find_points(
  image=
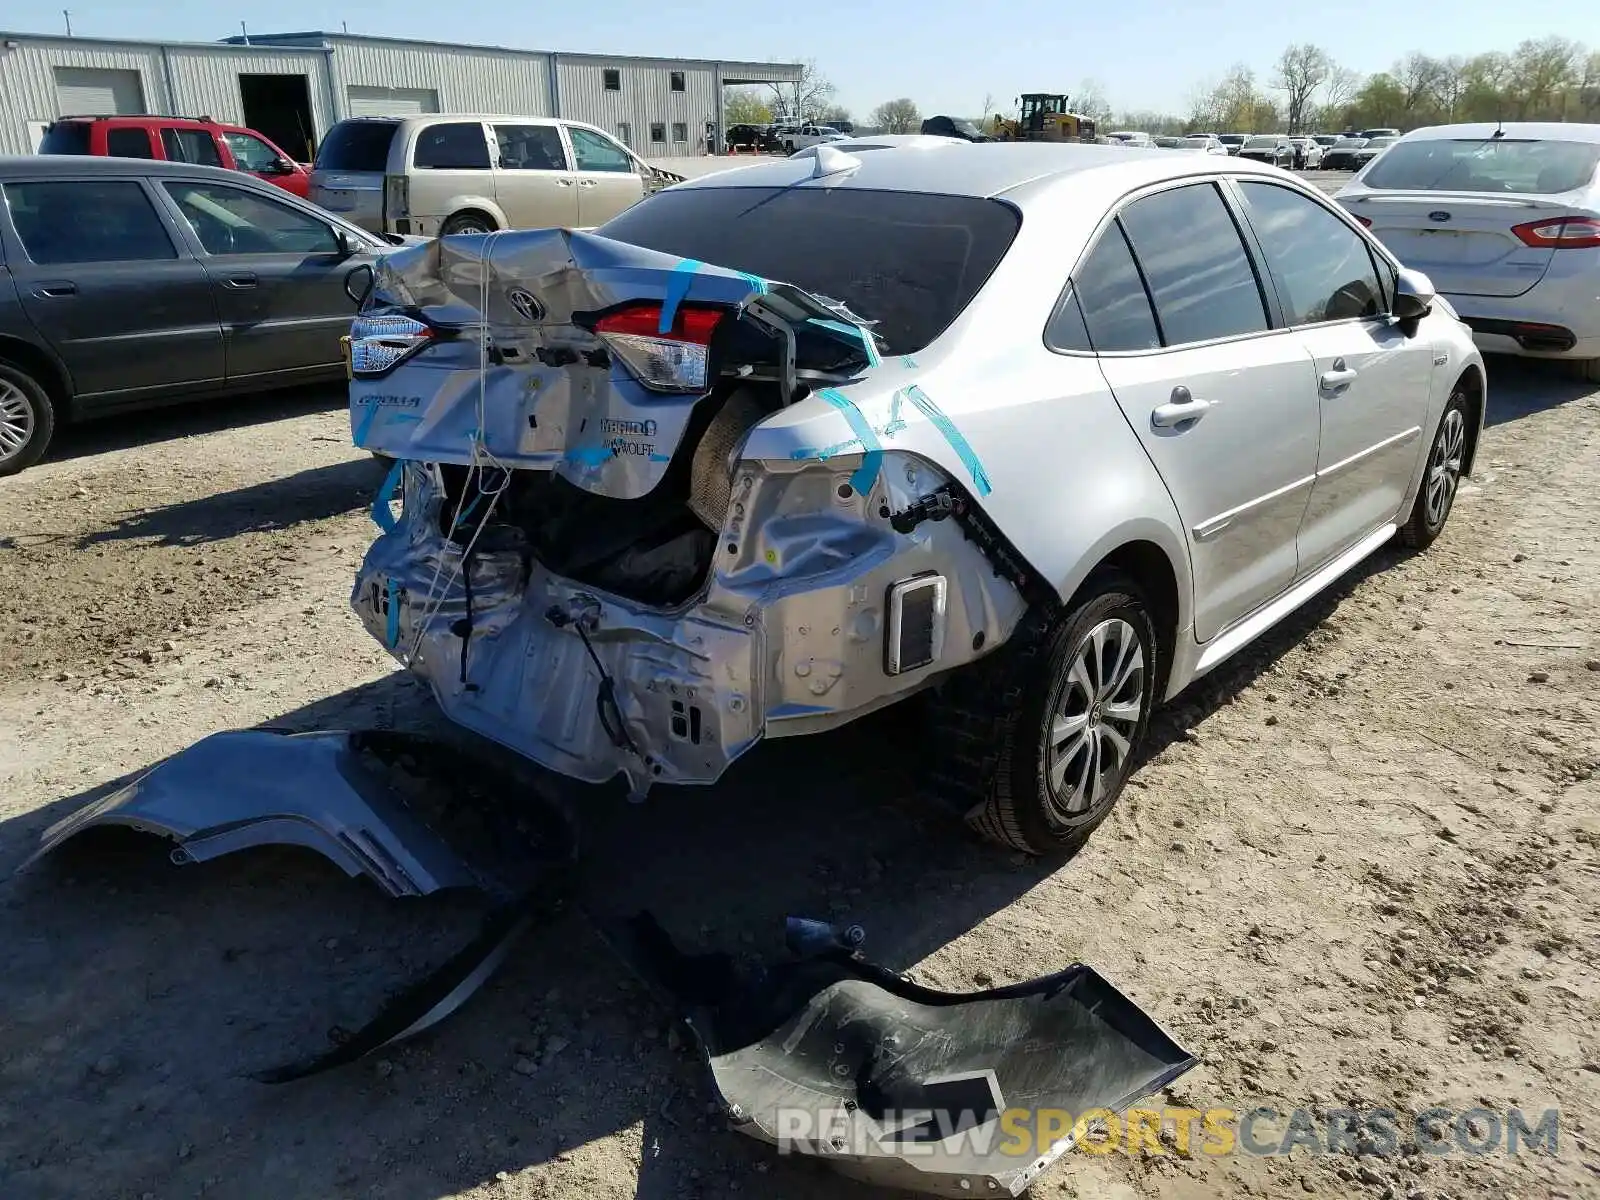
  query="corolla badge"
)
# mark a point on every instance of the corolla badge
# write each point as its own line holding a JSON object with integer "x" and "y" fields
{"x": 525, "y": 303}
{"x": 1439, "y": 215}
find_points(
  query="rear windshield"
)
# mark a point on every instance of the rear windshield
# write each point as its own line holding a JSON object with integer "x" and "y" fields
{"x": 65, "y": 137}
{"x": 1500, "y": 165}
{"x": 1257, "y": 143}
{"x": 1232, "y": 139}
{"x": 357, "y": 146}
{"x": 1350, "y": 143}
{"x": 906, "y": 260}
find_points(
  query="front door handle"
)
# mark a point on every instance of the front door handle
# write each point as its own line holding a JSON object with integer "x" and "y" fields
{"x": 240, "y": 282}
{"x": 564, "y": 182}
{"x": 1337, "y": 377}
{"x": 1182, "y": 409}
{"x": 56, "y": 288}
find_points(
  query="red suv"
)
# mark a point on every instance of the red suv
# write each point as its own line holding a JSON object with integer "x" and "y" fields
{"x": 178, "y": 139}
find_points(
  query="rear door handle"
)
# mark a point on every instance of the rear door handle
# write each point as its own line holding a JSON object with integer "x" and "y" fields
{"x": 56, "y": 288}
{"x": 1182, "y": 409}
{"x": 240, "y": 282}
{"x": 586, "y": 183}
{"x": 1338, "y": 378}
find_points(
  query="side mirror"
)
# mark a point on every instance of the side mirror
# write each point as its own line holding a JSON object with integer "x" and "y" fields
{"x": 358, "y": 284}
{"x": 347, "y": 245}
{"x": 1413, "y": 296}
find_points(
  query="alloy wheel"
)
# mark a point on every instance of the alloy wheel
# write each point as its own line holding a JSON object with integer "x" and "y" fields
{"x": 17, "y": 420}
{"x": 1444, "y": 466}
{"x": 1094, "y": 721}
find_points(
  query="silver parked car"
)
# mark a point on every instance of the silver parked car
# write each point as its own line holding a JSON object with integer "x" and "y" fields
{"x": 1506, "y": 220}
{"x": 1048, "y": 430}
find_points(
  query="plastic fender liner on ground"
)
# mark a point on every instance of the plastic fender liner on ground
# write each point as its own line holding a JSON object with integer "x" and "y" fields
{"x": 898, "y": 1084}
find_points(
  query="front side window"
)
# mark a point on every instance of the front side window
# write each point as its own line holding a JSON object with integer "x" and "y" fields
{"x": 230, "y": 220}
{"x": 251, "y": 153}
{"x": 530, "y": 148}
{"x": 452, "y": 146}
{"x": 129, "y": 143}
{"x": 1195, "y": 262}
{"x": 597, "y": 153}
{"x": 190, "y": 146}
{"x": 87, "y": 221}
{"x": 1116, "y": 308}
{"x": 1322, "y": 267}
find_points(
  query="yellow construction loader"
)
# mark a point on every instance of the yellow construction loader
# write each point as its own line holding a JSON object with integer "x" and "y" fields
{"x": 1043, "y": 118}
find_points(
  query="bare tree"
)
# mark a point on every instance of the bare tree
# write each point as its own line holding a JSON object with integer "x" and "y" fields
{"x": 835, "y": 115}
{"x": 897, "y": 116}
{"x": 1451, "y": 86}
{"x": 1340, "y": 88}
{"x": 1418, "y": 77}
{"x": 1543, "y": 71}
{"x": 805, "y": 99}
{"x": 1204, "y": 115}
{"x": 1302, "y": 70}
{"x": 1090, "y": 101}
{"x": 1236, "y": 99}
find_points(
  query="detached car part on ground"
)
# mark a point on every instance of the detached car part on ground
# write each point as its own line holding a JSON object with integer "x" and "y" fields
{"x": 659, "y": 504}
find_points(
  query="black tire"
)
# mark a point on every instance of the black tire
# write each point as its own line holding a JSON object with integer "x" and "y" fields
{"x": 466, "y": 222}
{"x": 27, "y": 410}
{"x": 992, "y": 724}
{"x": 1436, "y": 494}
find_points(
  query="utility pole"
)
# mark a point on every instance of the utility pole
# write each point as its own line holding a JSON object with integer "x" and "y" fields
{"x": 245, "y": 32}
{"x": 68, "y": 15}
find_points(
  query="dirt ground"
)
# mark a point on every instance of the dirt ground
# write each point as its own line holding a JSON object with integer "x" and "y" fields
{"x": 1359, "y": 868}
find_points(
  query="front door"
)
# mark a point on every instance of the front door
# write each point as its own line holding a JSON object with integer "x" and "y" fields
{"x": 608, "y": 181}
{"x": 1372, "y": 379}
{"x": 1222, "y": 404}
{"x": 103, "y": 279}
{"x": 278, "y": 273}
{"x": 533, "y": 182}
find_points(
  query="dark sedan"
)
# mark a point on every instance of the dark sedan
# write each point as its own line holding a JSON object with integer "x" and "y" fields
{"x": 1268, "y": 148}
{"x": 127, "y": 283}
{"x": 1341, "y": 156}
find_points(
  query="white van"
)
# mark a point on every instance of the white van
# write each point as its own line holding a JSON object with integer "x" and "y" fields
{"x": 456, "y": 173}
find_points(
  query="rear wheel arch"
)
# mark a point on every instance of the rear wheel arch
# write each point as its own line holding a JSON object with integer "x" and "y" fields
{"x": 42, "y": 365}
{"x": 488, "y": 218}
{"x": 1151, "y": 568}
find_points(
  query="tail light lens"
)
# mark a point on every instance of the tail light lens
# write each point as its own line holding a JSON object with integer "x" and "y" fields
{"x": 396, "y": 196}
{"x": 380, "y": 342}
{"x": 1367, "y": 221}
{"x": 1562, "y": 233}
{"x": 674, "y": 359}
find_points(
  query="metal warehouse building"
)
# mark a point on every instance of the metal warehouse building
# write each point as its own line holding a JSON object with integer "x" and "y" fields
{"x": 294, "y": 86}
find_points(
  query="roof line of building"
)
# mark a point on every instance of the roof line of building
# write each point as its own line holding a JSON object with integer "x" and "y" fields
{"x": 79, "y": 40}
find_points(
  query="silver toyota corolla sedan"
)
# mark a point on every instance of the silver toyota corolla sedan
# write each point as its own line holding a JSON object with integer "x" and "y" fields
{"x": 1046, "y": 430}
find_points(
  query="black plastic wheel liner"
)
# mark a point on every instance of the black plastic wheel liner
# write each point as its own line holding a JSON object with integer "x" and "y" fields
{"x": 896, "y": 1083}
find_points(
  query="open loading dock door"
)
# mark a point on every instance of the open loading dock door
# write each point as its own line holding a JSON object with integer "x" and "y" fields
{"x": 280, "y": 107}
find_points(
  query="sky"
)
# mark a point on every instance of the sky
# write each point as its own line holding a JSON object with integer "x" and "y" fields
{"x": 945, "y": 55}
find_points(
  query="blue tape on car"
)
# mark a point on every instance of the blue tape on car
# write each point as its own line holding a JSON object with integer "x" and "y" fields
{"x": 958, "y": 443}
{"x": 855, "y": 333}
{"x": 392, "y": 626}
{"x": 872, "y": 458}
{"x": 908, "y": 361}
{"x": 677, "y": 289}
{"x": 896, "y": 421}
{"x": 381, "y": 515}
{"x": 363, "y": 424}
{"x": 755, "y": 281}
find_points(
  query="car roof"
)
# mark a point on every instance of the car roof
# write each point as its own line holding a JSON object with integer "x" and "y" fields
{"x": 1556, "y": 131}
{"x": 48, "y": 165}
{"x": 978, "y": 169}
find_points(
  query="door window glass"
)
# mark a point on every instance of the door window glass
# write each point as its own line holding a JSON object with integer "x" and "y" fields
{"x": 530, "y": 148}
{"x": 129, "y": 143}
{"x": 1321, "y": 266}
{"x": 190, "y": 146}
{"x": 230, "y": 220}
{"x": 1112, "y": 297}
{"x": 251, "y": 153}
{"x": 453, "y": 146}
{"x": 1199, "y": 273}
{"x": 87, "y": 221}
{"x": 597, "y": 153}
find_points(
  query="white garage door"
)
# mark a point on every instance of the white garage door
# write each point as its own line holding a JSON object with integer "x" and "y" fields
{"x": 392, "y": 102}
{"x": 94, "y": 92}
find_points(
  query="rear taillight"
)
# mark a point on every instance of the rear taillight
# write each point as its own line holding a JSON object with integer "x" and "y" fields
{"x": 1367, "y": 221}
{"x": 671, "y": 359}
{"x": 396, "y": 196}
{"x": 1562, "y": 233}
{"x": 380, "y": 342}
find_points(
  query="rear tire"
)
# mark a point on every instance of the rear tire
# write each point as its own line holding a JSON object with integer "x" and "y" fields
{"x": 27, "y": 419}
{"x": 1441, "y": 476}
{"x": 1589, "y": 370}
{"x": 1034, "y": 744}
{"x": 466, "y": 222}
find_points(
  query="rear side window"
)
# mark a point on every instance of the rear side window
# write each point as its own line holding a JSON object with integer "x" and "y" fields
{"x": 87, "y": 221}
{"x": 1116, "y": 309}
{"x": 65, "y": 137}
{"x": 190, "y": 146}
{"x": 908, "y": 261}
{"x": 129, "y": 143}
{"x": 1192, "y": 257}
{"x": 1541, "y": 168}
{"x": 457, "y": 146}
{"x": 529, "y": 148}
{"x": 1322, "y": 267}
{"x": 357, "y": 146}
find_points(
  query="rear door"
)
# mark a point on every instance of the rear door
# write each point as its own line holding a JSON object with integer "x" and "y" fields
{"x": 608, "y": 181}
{"x": 1373, "y": 379}
{"x": 279, "y": 276}
{"x": 1224, "y": 404}
{"x": 196, "y": 146}
{"x": 348, "y": 176}
{"x": 107, "y": 283}
{"x": 130, "y": 141}
{"x": 534, "y": 183}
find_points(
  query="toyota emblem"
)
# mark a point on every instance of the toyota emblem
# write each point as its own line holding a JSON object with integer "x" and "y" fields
{"x": 1440, "y": 216}
{"x": 525, "y": 303}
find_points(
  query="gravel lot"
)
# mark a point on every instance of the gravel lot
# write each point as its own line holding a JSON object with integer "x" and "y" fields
{"x": 1358, "y": 869}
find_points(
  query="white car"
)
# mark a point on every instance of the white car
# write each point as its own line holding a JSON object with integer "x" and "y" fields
{"x": 1206, "y": 143}
{"x": 884, "y": 141}
{"x": 799, "y": 137}
{"x": 1308, "y": 153}
{"x": 1131, "y": 137}
{"x": 1505, "y": 219}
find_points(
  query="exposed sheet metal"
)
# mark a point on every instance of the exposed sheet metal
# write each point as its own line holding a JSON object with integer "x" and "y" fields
{"x": 898, "y": 1084}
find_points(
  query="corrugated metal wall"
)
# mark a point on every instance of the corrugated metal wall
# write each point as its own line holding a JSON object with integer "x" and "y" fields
{"x": 28, "y": 85}
{"x": 207, "y": 82}
{"x": 467, "y": 80}
{"x": 645, "y": 96}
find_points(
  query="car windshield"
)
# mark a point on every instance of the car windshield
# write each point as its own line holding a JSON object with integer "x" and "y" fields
{"x": 65, "y": 137}
{"x": 908, "y": 261}
{"x": 968, "y": 128}
{"x": 1542, "y": 168}
{"x": 357, "y": 146}
{"x": 1261, "y": 143}
{"x": 1197, "y": 141}
{"x": 1378, "y": 143}
{"x": 1231, "y": 139}
{"x": 1349, "y": 143}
